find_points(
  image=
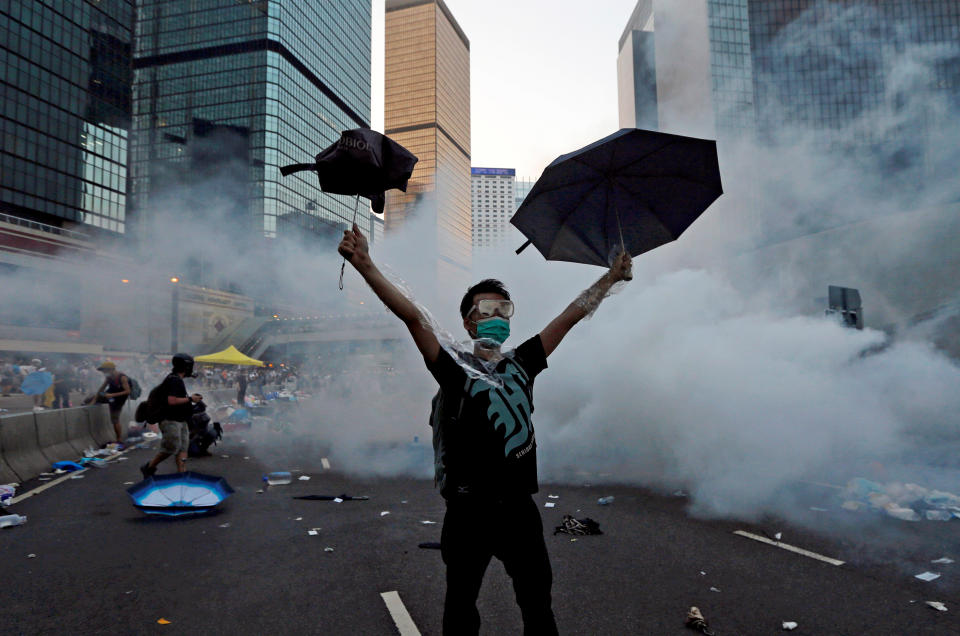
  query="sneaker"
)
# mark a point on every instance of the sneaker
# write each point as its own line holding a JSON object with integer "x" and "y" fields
{"x": 147, "y": 471}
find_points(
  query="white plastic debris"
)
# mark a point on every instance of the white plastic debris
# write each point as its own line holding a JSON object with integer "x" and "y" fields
{"x": 384, "y": 513}
{"x": 7, "y": 491}
{"x": 943, "y": 560}
{"x": 337, "y": 500}
{"x": 927, "y": 576}
{"x": 714, "y": 589}
{"x": 702, "y": 573}
{"x": 789, "y": 625}
{"x": 778, "y": 536}
{"x": 312, "y": 533}
{"x": 328, "y": 549}
{"x": 553, "y": 496}
{"x": 549, "y": 504}
{"x": 299, "y": 519}
{"x": 128, "y": 483}
{"x": 225, "y": 525}
{"x": 76, "y": 476}
{"x": 428, "y": 523}
{"x": 937, "y": 605}
{"x": 34, "y": 556}
{"x": 304, "y": 478}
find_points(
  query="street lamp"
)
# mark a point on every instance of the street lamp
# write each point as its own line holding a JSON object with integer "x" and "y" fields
{"x": 174, "y": 314}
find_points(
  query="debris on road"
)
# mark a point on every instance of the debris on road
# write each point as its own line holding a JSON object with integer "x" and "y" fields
{"x": 428, "y": 523}
{"x": 384, "y": 513}
{"x": 225, "y": 525}
{"x": 334, "y": 498}
{"x": 942, "y": 560}
{"x": 695, "y": 620}
{"x": 76, "y": 476}
{"x": 299, "y": 519}
{"x": 580, "y": 527}
{"x": 328, "y": 549}
{"x": 789, "y": 625}
{"x": 549, "y": 504}
{"x": 553, "y": 496}
{"x": 31, "y": 556}
{"x": 312, "y": 532}
{"x": 163, "y": 621}
{"x": 605, "y": 501}
{"x": 304, "y": 478}
{"x": 937, "y": 605}
{"x": 278, "y": 478}
{"x": 7, "y": 491}
{"x": 927, "y": 576}
{"x": 8, "y": 521}
{"x": 714, "y": 589}
{"x": 66, "y": 466}
{"x": 909, "y": 502}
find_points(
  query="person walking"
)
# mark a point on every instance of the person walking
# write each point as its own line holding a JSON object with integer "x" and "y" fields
{"x": 114, "y": 392}
{"x": 485, "y": 450}
{"x": 178, "y": 410}
{"x": 241, "y": 387}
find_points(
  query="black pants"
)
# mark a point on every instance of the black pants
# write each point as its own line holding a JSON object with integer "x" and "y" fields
{"x": 474, "y": 530}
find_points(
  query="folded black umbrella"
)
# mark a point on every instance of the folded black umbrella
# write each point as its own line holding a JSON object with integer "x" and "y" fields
{"x": 362, "y": 162}
{"x": 633, "y": 190}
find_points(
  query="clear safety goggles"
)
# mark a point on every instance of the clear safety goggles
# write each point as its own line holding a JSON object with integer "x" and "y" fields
{"x": 492, "y": 307}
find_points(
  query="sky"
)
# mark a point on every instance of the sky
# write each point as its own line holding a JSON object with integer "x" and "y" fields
{"x": 543, "y": 76}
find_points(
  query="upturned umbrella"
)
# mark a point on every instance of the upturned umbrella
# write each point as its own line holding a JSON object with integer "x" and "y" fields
{"x": 633, "y": 190}
{"x": 362, "y": 162}
{"x": 178, "y": 494}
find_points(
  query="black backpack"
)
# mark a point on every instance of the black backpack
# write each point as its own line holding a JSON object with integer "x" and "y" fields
{"x": 153, "y": 409}
{"x": 443, "y": 410}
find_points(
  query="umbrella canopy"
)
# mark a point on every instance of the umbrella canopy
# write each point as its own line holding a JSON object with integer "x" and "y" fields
{"x": 36, "y": 383}
{"x": 230, "y": 355}
{"x": 362, "y": 162}
{"x": 179, "y": 494}
{"x": 635, "y": 188}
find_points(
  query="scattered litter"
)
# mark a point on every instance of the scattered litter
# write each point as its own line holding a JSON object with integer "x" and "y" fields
{"x": 549, "y": 504}
{"x": 908, "y": 502}
{"x": 384, "y": 513}
{"x": 337, "y": 500}
{"x": 66, "y": 466}
{"x": 818, "y": 509}
{"x": 77, "y": 476}
{"x": 225, "y": 456}
{"x": 429, "y": 545}
{"x": 325, "y": 463}
{"x": 122, "y": 459}
{"x": 45, "y": 478}
{"x": 7, "y": 521}
{"x": 572, "y": 540}
{"x": 246, "y": 457}
{"x": 150, "y": 435}
{"x": 328, "y": 549}
{"x": 403, "y": 501}
{"x": 260, "y": 492}
{"x": 304, "y": 478}
{"x": 278, "y": 478}
{"x": 695, "y": 620}
{"x": 31, "y": 556}
{"x": 128, "y": 483}
{"x": 927, "y": 576}
{"x": 702, "y": 573}
{"x": 937, "y": 605}
{"x": 553, "y": 496}
{"x": 605, "y": 501}
{"x": 778, "y": 536}
{"x": 428, "y": 523}
{"x": 789, "y": 625}
{"x": 584, "y": 526}
{"x": 938, "y": 515}
{"x": 225, "y": 525}
{"x": 714, "y": 589}
{"x": 163, "y": 621}
{"x": 312, "y": 533}
{"x": 942, "y": 560}
{"x": 299, "y": 519}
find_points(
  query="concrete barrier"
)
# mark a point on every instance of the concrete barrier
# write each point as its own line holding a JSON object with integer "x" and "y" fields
{"x": 101, "y": 430}
{"x": 6, "y": 473}
{"x": 78, "y": 429}
{"x": 52, "y": 436}
{"x": 21, "y": 447}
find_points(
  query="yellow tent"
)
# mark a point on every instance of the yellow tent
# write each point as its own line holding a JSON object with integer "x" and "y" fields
{"x": 230, "y": 355}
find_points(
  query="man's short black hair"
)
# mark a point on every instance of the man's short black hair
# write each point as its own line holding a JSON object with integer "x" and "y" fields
{"x": 486, "y": 286}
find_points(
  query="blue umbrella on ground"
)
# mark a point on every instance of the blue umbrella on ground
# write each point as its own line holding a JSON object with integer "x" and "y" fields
{"x": 36, "y": 383}
{"x": 179, "y": 494}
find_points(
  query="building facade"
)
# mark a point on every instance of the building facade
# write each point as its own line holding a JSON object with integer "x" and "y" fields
{"x": 225, "y": 93}
{"x": 65, "y": 112}
{"x": 427, "y": 110}
{"x": 493, "y": 196}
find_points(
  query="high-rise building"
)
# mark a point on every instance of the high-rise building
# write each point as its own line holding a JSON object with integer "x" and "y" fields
{"x": 522, "y": 188}
{"x": 65, "y": 112}
{"x": 493, "y": 198}
{"x": 226, "y": 92}
{"x": 637, "y": 70}
{"x": 427, "y": 110}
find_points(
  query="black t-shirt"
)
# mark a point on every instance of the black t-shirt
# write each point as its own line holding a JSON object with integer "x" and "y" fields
{"x": 173, "y": 386}
{"x": 489, "y": 446}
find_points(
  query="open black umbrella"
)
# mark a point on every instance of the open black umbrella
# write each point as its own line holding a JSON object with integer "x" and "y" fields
{"x": 633, "y": 190}
{"x": 364, "y": 163}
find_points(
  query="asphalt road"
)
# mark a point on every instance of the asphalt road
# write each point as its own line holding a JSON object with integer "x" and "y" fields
{"x": 102, "y": 567}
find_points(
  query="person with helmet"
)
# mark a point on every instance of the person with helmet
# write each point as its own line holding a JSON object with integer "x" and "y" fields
{"x": 114, "y": 391}
{"x": 178, "y": 412}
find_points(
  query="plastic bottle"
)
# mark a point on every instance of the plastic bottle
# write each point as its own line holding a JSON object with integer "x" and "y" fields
{"x": 12, "y": 520}
{"x": 280, "y": 478}
{"x": 605, "y": 501}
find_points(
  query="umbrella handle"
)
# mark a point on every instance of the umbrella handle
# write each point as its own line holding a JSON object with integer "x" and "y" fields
{"x": 629, "y": 273}
{"x": 343, "y": 264}
{"x": 524, "y": 246}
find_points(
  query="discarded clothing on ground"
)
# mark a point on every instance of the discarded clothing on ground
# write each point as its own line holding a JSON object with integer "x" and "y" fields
{"x": 695, "y": 620}
{"x": 584, "y": 526}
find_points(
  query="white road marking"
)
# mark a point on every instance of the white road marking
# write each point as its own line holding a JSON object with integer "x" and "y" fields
{"x": 791, "y": 548}
{"x": 325, "y": 463}
{"x": 399, "y": 614}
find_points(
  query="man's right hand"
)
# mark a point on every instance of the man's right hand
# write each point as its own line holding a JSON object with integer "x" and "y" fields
{"x": 354, "y": 246}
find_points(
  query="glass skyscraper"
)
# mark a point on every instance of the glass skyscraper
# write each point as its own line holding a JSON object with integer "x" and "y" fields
{"x": 234, "y": 90}
{"x": 65, "y": 110}
{"x": 427, "y": 110}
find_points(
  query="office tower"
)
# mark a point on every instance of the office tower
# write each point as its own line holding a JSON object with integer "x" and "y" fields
{"x": 493, "y": 197}
{"x": 427, "y": 110}
{"x": 65, "y": 113}
{"x": 637, "y": 71}
{"x": 226, "y": 92}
